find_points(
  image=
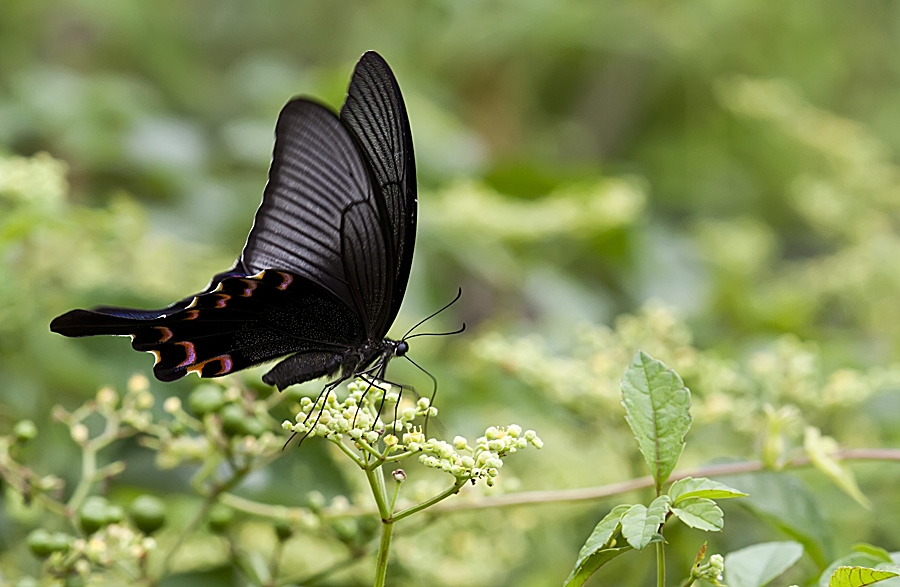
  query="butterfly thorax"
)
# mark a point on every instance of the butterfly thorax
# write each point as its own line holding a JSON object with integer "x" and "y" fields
{"x": 373, "y": 353}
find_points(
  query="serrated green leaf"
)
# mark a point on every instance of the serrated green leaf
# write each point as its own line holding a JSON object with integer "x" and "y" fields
{"x": 756, "y": 565}
{"x": 700, "y": 513}
{"x": 583, "y": 571}
{"x": 597, "y": 551}
{"x": 657, "y": 407}
{"x": 820, "y": 450}
{"x": 863, "y": 555}
{"x": 702, "y": 487}
{"x": 857, "y": 576}
{"x": 603, "y": 531}
{"x": 640, "y": 523}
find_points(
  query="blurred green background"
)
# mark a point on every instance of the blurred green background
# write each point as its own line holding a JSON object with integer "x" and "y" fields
{"x": 731, "y": 164}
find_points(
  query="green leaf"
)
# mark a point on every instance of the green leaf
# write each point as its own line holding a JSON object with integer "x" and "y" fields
{"x": 640, "y": 524}
{"x": 863, "y": 555}
{"x": 876, "y": 552}
{"x": 820, "y": 450}
{"x": 857, "y": 577}
{"x": 784, "y": 501}
{"x": 583, "y": 571}
{"x": 657, "y": 407}
{"x": 604, "y": 530}
{"x": 597, "y": 550}
{"x": 700, "y": 513}
{"x": 689, "y": 487}
{"x": 756, "y": 565}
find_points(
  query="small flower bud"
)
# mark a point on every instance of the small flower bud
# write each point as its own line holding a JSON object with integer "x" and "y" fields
{"x": 79, "y": 433}
{"x": 399, "y": 475}
{"x": 138, "y": 383}
{"x": 172, "y": 405}
{"x": 107, "y": 397}
{"x": 145, "y": 400}
{"x": 25, "y": 430}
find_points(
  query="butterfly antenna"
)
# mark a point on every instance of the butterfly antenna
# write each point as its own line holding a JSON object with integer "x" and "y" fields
{"x": 426, "y": 319}
{"x": 457, "y": 331}
{"x": 433, "y": 393}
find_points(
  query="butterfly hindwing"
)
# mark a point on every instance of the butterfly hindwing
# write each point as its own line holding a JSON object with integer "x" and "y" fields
{"x": 375, "y": 113}
{"x": 243, "y": 322}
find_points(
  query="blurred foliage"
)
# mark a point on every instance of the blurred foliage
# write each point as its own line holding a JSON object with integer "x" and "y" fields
{"x": 714, "y": 183}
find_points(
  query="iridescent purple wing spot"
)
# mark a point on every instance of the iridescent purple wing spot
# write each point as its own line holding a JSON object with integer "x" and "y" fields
{"x": 286, "y": 280}
{"x": 190, "y": 354}
{"x": 248, "y": 291}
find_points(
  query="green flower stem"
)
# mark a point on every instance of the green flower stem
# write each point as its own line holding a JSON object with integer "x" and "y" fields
{"x": 379, "y": 492}
{"x": 376, "y": 482}
{"x": 398, "y": 456}
{"x": 660, "y": 564}
{"x": 396, "y": 495}
{"x": 452, "y": 490}
{"x": 371, "y": 451}
{"x": 89, "y": 460}
{"x": 387, "y": 532}
{"x": 18, "y": 476}
{"x": 349, "y": 452}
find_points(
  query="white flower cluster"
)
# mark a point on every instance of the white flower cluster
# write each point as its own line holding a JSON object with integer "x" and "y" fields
{"x": 358, "y": 418}
{"x": 483, "y": 461}
{"x": 360, "y": 415}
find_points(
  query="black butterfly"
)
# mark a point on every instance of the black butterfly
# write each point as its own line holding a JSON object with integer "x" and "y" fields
{"x": 326, "y": 264}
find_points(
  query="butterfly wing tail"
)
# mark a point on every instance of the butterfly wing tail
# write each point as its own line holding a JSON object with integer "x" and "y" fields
{"x": 102, "y": 321}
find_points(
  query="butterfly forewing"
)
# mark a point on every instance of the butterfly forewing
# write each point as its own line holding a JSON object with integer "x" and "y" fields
{"x": 369, "y": 268}
{"x": 316, "y": 174}
{"x": 376, "y": 115}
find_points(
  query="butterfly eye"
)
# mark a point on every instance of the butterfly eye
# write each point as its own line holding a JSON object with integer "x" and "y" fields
{"x": 401, "y": 349}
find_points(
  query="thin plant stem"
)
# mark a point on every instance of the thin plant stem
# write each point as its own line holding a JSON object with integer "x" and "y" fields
{"x": 89, "y": 461}
{"x": 567, "y": 495}
{"x": 376, "y": 483}
{"x": 660, "y": 564}
{"x": 387, "y": 532}
{"x": 454, "y": 489}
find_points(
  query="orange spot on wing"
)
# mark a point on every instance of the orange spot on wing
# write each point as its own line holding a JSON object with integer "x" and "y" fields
{"x": 166, "y": 333}
{"x": 191, "y": 314}
{"x": 286, "y": 280}
{"x": 225, "y": 366}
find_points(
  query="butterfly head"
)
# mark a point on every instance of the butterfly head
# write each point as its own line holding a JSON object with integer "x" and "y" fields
{"x": 401, "y": 347}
